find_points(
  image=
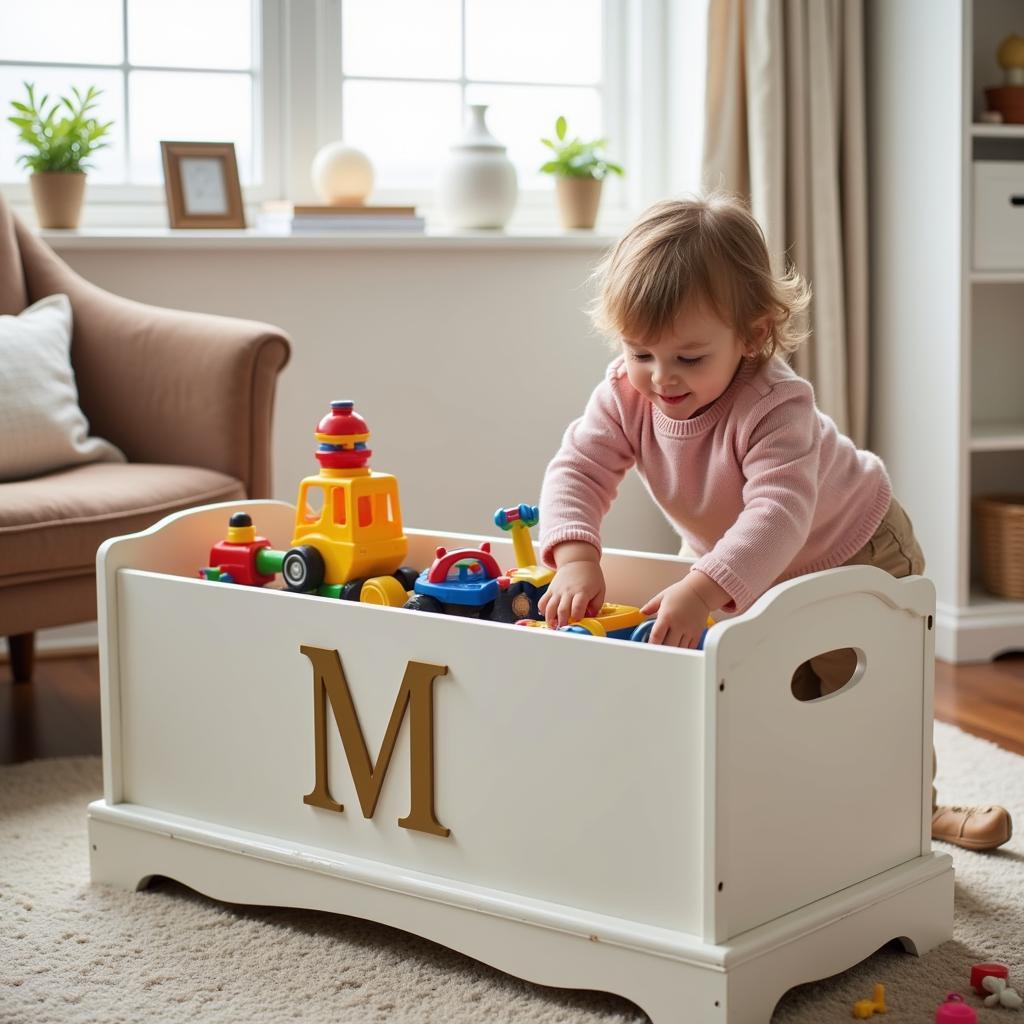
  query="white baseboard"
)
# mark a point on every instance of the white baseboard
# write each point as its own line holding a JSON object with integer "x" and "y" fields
{"x": 80, "y": 636}
{"x": 979, "y": 632}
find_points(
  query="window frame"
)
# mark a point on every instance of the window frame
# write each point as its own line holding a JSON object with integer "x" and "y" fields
{"x": 297, "y": 109}
{"x": 266, "y": 113}
{"x": 633, "y": 64}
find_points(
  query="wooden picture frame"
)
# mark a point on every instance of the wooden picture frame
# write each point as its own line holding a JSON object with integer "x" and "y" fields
{"x": 202, "y": 185}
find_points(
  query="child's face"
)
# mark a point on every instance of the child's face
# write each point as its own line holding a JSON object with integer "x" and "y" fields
{"x": 688, "y": 366}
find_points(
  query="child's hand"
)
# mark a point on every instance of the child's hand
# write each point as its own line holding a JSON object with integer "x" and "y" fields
{"x": 682, "y": 615}
{"x": 576, "y": 591}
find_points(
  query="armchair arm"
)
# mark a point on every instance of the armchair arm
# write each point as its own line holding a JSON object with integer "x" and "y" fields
{"x": 167, "y": 386}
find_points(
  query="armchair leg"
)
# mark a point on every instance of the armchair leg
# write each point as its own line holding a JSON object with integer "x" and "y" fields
{"x": 23, "y": 655}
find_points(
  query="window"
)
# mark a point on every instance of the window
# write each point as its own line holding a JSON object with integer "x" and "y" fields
{"x": 185, "y": 70}
{"x": 365, "y": 506}
{"x": 408, "y": 69}
{"x": 393, "y": 77}
{"x": 340, "y": 504}
{"x": 312, "y": 504}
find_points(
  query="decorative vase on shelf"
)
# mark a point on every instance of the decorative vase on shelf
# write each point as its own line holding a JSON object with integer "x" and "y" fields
{"x": 477, "y": 186}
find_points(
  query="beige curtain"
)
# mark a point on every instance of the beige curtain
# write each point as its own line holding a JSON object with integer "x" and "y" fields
{"x": 785, "y": 126}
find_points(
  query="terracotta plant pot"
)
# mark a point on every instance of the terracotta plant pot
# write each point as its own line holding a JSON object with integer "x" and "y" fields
{"x": 578, "y": 200}
{"x": 58, "y": 197}
{"x": 1008, "y": 100}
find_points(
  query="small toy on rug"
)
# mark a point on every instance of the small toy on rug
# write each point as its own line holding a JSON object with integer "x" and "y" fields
{"x": 864, "y": 1008}
{"x": 955, "y": 1011}
{"x": 1002, "y": 994}
{"x": 994, "y": 969}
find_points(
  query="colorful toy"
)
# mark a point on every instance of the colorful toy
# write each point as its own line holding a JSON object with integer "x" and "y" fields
{"x": 469, "y": 581}
{"x": 1002, "y": 994}
{"x": 348, "y": 540}
{"x": 615, "y": 621}
{"x": 466, "y": 582}
{"x": 955, "y": 1011}
{"x": 864, "y": 1008}
{"x": 994, "y": 969}
{"x": 529, "y": 581}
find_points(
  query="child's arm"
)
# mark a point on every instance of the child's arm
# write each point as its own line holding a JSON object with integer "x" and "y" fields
{"x": 584, "y": 476}
{"x": 578, "y": 587}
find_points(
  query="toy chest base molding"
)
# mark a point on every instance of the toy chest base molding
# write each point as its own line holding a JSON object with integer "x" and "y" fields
{"x": 671, "y": 826}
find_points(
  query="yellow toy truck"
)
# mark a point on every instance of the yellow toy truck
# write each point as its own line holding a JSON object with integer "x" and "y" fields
{"x": 348, "y": 541}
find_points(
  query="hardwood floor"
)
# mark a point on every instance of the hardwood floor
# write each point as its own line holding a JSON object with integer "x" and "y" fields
{"x": 58, "y": 713}
{"x": 55, "y": 715}
{"x": 986, "y": 700}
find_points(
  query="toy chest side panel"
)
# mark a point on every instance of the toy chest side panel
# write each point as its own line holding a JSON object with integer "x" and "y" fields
{"x": 819, "y": 795}
{"x": 568, "y": 769}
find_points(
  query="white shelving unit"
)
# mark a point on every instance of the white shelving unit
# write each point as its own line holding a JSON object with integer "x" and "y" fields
{"x": 948, "y": 338}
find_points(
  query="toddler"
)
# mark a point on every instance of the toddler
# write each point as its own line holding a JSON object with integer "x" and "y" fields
{"x": 729, "y": 442}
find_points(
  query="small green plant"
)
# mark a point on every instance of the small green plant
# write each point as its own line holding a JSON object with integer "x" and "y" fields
{"x": 575, "y": 158}
{"x": 59, "y": 144}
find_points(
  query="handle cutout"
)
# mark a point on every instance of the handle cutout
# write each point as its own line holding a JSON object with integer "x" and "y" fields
{"x": 828, "y": 674}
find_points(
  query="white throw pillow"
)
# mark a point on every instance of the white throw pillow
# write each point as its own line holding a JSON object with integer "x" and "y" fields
{"x": 41, "y": 426}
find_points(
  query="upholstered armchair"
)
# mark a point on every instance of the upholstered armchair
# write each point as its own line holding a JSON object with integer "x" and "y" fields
{"x": 187, "y": 397}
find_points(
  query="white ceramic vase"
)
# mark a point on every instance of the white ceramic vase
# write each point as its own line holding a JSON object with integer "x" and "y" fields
{"x": 477, "y": 187}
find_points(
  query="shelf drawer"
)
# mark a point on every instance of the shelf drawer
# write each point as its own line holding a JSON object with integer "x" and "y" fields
{"x": 998, "y": 215}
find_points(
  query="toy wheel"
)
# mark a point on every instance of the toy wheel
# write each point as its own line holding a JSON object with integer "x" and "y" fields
{"x": 384, "y": 590}
{"x": 352, "y": 590}
{"x": 303, "y": 568}
{"x": 470, "y": 611}
{"x": 407, "y": 576}
{"x": 424, "y": 603}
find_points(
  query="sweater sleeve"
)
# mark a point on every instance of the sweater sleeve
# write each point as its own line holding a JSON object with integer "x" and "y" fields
{"x": 780, "y": 468}
{"x": 581, "y": 481}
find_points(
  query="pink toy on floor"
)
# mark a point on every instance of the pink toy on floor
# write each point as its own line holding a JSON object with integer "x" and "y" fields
{"x": 955, "y": 1011}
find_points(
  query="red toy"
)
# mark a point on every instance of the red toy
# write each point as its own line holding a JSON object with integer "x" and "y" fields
{"x": 990, "y": 970}
{"x": 236, "y": 559}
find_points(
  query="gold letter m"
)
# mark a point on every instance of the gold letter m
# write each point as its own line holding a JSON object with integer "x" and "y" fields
{"x": 416, "y": 693}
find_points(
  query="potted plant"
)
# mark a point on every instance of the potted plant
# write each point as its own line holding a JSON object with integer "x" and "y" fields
{"x": 579, "y": 172}
{"x": 60, "y": 146}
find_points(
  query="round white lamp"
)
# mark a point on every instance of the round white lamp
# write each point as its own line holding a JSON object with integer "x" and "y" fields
{"x": 342, "y": 175}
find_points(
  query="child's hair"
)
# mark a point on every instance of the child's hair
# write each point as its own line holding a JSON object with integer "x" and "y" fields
{"x": 708, "y": 249}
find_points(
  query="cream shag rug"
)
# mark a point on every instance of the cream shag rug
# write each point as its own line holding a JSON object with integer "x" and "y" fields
{"x": 72, "y": 952}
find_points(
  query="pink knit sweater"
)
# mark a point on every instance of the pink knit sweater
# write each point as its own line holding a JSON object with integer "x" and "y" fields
{"x": 761, "y": 484}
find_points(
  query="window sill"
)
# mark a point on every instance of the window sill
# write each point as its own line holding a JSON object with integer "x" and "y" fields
{"x": 255, "y": 239}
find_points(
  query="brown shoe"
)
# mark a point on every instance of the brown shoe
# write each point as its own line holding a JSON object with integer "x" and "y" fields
{"x": 973, "y": 828}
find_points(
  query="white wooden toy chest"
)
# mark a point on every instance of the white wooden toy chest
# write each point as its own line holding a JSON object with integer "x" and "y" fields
{"x": 673, "y": 826}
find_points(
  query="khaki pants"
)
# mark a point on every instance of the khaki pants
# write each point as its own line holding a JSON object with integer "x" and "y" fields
{"x": 894, "y": 548}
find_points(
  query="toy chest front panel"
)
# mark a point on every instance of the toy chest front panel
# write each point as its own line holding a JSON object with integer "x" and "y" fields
{"x": 568, "y": 769}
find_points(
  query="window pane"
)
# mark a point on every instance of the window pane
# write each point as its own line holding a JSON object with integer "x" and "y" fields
{"x": 188, "y": 106}
{"x": 534, "y": 41}
{"x": 61, "y": 30}
{"x": 401, "y": 38}
{"x": 108, "y": 164}
{"x": 191, "y": 33}
{"x": 520, "y": 116}
{"x": 405, "y": 129}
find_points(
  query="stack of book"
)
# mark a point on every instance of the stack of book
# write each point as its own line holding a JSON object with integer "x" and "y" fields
{"x": 289, "y": 217}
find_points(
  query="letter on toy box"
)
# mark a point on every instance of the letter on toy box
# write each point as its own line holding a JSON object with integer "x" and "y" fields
{"x": 416, "y": 693}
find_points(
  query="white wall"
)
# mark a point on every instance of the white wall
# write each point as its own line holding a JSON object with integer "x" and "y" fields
{"x": 467, "y": 362}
